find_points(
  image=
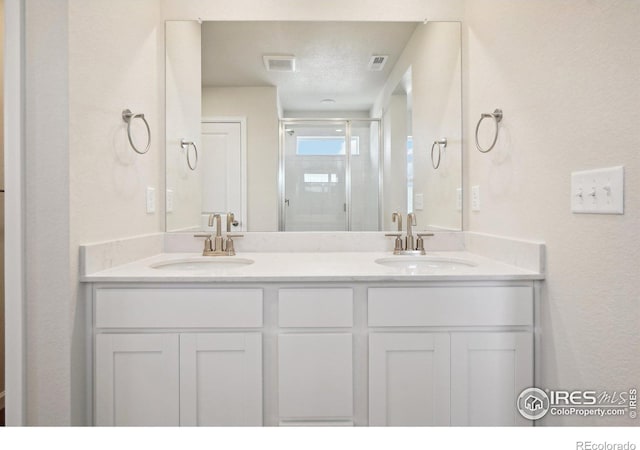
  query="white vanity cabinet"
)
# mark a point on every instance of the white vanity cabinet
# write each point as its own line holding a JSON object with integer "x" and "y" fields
{"x": 379, "y": 353}
{"x": 152, "y": 369}
{"x": 444, "y": 374}
{"x": 315, "y": 361}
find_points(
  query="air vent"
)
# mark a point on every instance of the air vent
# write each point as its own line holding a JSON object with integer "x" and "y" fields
{"x": 377, "y": 62}
{"x": 281, "y": 63}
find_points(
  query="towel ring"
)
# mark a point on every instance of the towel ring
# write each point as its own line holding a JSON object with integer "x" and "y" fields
{"x": 128, "y": 117}
{"x": 497, "y": 117}
{"x": 187, "y": 145}
{"x": 442, "y": 144}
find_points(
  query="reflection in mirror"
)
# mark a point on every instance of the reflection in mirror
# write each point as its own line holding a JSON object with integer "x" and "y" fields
{"x": 261, "y": 102}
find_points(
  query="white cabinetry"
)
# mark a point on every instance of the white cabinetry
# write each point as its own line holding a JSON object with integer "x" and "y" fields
{"x": 137, "y": 380}
{"x": 488, "y": 372}
{"x": 451, "y": 376}
{"x": 409, "y": 379}
{"x": 221, "y": 379}
{"x": 177, "y": 377}
{"x": 315, "y": 366}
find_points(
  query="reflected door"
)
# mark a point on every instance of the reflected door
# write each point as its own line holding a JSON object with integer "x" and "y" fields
{"x": 315, "y": 188}
{"x": 223, "y": 176}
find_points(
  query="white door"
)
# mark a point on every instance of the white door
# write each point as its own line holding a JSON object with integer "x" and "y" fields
{"x": 409, "y": 379}
{"x": 223, "y": 171}
{"x": 315, "y": 376}
{"x": 221, "y": 379}
{"x": 488, "y": 372}
{"x": 137, "y": 380}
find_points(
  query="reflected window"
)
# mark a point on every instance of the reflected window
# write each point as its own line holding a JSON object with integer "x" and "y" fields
{"x": 325, "y": 145}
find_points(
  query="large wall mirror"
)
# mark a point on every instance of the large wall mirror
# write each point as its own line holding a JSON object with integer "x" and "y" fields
{"x": 313, "y": 126}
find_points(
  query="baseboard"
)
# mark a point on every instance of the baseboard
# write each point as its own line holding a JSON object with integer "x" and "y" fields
{"x": 2, "y": 400}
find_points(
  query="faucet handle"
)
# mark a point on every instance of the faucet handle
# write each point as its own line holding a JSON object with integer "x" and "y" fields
{"x": 229, "y": 236}
{"x": 424, "y": 234}
{"x": 420, "y": 242}
{"x": 208, "y": 247}
{"x": 229, "y": 247}
{"x": 397, "y": 248}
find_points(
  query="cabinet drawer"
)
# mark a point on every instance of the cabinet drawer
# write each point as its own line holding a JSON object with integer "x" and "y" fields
{"x": 178, "y": 308}
{"x": 315, "y": 307}
{"x": 468, "y": 306}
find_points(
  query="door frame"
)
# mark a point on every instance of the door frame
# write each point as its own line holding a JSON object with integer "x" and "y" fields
{"x": 242, "y": 120}
{"x": 14, "y": 167}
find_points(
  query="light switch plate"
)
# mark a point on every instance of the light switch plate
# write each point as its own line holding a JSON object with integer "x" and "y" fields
{"x": 418, "y": 202}
{"x": 599, "y": 191}
{"x": 475, "y": 198}
{"x": 151, "y": 200}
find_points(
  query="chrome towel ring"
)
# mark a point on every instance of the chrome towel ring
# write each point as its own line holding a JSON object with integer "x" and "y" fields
{"x": 186, "y": 145}
{"x": 442, "y": 144}
{"x": 128, "y": 117}
{"x": 497, "y": 117}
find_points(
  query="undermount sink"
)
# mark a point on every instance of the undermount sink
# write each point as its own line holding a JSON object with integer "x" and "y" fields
{"x": 203, "y": 263}
{"x": 424, "y": 263}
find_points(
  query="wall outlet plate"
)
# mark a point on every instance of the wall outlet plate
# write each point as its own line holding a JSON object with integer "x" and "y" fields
{"x": 475, "y": 198}
{"x": 418, "y": 202}
{"x": 169, "y": 200}
{"x": 151, "y": 200}
{"x": 599, "y": 191}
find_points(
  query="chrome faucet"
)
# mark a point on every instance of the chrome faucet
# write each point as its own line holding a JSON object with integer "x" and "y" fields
{"x": 217, "y": 247}
{"x": 410, "y": 246}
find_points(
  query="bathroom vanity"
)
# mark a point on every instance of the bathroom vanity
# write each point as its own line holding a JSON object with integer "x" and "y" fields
{"x": 311, "y": 339}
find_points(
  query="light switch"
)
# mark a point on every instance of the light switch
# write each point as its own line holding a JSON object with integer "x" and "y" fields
{"x": 151, "y": 200}
{"x": 599, "y": 191}
{"x": 169, "y": 200}
{"x": 475, "y": 198}
{"x": 418, "y": 202}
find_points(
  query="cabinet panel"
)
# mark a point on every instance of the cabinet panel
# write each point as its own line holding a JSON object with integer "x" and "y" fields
{"x": 178, "y": 308}
{"x": 221, "y": 379}
{"x": 488, "y": 372}
{"x": 315, "y": 376}
{"x": 315, "y": 307}
{"x": 409, "y": 379}
{"x": 451, "y": 306}
{"x": 136, "y": 380}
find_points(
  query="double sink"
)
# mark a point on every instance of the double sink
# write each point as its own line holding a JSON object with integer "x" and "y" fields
{"x": 401, "y": 263}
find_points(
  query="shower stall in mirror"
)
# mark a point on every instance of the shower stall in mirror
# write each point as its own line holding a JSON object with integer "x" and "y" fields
{"x": 329, "y": 174}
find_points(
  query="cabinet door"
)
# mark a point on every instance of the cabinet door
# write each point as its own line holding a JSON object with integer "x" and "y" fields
{"x": 136, "y": 380}
{"x": 315, "y": 376}
{"x": 488, "y": 372}
{"x": 409, "y": 379}
{"x": 221, "y": 379}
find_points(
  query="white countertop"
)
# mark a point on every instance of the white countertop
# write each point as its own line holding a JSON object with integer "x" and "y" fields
{"x": 301, "y": 267}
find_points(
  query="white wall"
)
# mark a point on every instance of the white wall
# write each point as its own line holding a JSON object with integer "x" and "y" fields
{"x": 85, "y": 63}
{"x": 394, "y": 161}
{"x": 566, "y": 76}
{"x": 183, "y": 81}
{"x": 259, "y": 106}
{"x": 433, "y": 56}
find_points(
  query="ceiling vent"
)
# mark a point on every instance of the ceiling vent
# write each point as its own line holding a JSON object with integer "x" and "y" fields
{"x": 377, "y": 62}
{"x": 280, "y": 63}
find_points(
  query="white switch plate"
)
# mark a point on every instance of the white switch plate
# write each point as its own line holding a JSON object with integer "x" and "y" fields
{"x": 418, "y": 202}
{"x": 459, "y": 199}
{"x": 475, "y": 198}
{"x": 169, "y": 200}
{"x": 151, "y": 200}
{"x": 599, "y": 191}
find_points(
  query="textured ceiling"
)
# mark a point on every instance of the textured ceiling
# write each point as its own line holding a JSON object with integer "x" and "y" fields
{"x": 331, "y": 59}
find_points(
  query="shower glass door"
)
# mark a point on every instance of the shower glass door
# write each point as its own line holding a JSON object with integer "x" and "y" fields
{"x": 323, "y": 165}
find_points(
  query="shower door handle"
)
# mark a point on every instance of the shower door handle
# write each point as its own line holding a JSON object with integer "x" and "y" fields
{"x": 286, "y": 201}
